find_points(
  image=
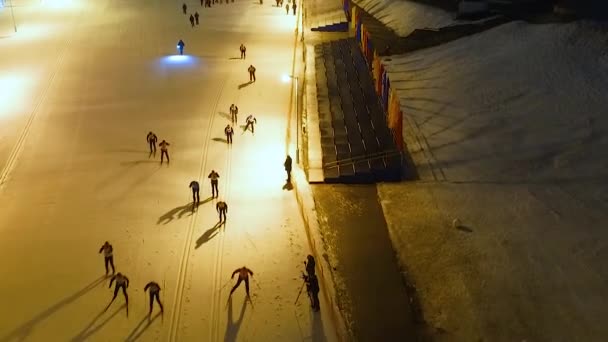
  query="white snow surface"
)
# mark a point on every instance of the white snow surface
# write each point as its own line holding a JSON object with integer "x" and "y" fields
{"x": 403, "y": 17}
{"x": 509, "y": 133}
{"x": 95, "y": 77}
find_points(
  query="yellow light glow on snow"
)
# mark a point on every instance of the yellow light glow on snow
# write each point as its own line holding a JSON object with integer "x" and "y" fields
{"x": 285, "y": 22}
{"x": 63, "y": 4}
{"x": 32, "y": 31}
{"x": 13, "y": 92}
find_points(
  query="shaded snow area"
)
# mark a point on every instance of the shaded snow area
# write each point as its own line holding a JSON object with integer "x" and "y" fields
{"x": 81, "y": 85}
{"x": 403, "y": 17}
{"x": 508, "y": 129}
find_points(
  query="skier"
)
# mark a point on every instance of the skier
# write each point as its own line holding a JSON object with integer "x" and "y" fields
{"x": 184, "y": 8}
{"x": 244, "y": 273}
{"x": 234, "y": 111}
{"x": 222, "y": 209}
{"x": 214, "y": 176}
{"x": 108, "y": 256}
{"x": 154, "y": 294}
{"x": 312, "y": 287}
{"x": 196, "y": 17}
{"x": 229, "y": 132}
{"x": 180, "y": 46}
{"x": 278, "y": 1}
{"x": 152, "y": 138}
{"x": 163, "y": 151}
{"x": 310, "y": 265}
{"x": 251, "y": 70}
{"x": 192, "y": 20}
{"x": 250, "y": 121}
{"x": 195, "y": 195}
{"x": 243, "y": 51}
{"x": 202, "y": 2}
{"x": 122, "y": 282}
{"x": 294, "y": 8}
{"x": 287, "y": 165}
{"x": 287, "y": 8}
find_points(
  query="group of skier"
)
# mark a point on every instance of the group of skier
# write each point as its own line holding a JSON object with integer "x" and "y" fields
{"x": 151, "y": 138}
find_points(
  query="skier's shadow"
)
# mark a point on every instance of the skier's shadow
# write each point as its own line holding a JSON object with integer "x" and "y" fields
{"x": 208, "y": 235}
{"x": 243, "y": 85}
{"x": 180, "y": 211}
{"x": 288, "y": 186}
{"x": 225, "y": 115}
{"x": 21, "y": 333}
{"x": 88, "y": 332}
{"x": 137, "y": 332}
{"x": 222, "y": 140}
{"x": 232, "y": 328}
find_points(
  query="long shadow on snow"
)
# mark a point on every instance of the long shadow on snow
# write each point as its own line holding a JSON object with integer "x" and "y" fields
{"x": 232, "y": 328}
{"x": 208, "y": 235}
{"x": 22, "y": 332}
{"x": 137, "y": 332}
{"x": 180, "y": 211}
{"x": 87, "y": 332}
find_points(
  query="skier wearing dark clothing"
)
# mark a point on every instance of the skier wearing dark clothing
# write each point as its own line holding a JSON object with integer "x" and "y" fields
{"x": 229, "y": 132}
{"x": 251, "y": 70}
{"x": 164, "y": 151}
{"x": 108, "y": 256}
{"x": 234, "y": 111}
{"x": 250, "y": 122}
{"x": 310, "y": 265}
{"x": 154, "y": 294}
{"x": 202, "y": 2}
{"x": 196, "y": 17}
{"x": 184, "y": 8}
{"x": 294, "y": 8}
{"x": 287, "y": 8}
{"x": 214, "y": 176}
{"x": 243, "y": 51}
{"x": 152, "y": 139}
{"x": 192, "y": 20}
{"x": 312, "y": 288}
{"x": 244, "y": 273}
{"x": 195, "y": 195}
{"x": 222, "y": 209}
{"x": 122, "y": 282}
{"x": 287, "y": 165}
{"x": 180, "y": 46}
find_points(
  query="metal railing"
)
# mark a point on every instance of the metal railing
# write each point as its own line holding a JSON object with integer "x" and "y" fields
{"x": 368, "y": 157}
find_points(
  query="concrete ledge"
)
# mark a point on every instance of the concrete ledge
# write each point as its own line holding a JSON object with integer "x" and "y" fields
{"x": 315, "y": 153}
{"x": 311, "y": 223}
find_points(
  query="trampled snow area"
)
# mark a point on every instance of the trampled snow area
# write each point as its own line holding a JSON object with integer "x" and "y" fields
{"x": 95, "y": 77}
{"x": 510, "y": 134}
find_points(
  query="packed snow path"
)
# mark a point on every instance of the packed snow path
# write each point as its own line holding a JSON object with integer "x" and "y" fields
{"x": 83, "y": 83}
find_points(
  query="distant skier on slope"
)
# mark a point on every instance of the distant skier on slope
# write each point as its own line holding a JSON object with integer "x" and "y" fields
{"x": 154, "y": 291}
{"x": 122, "y": 282}
{"x": 108, "y": 256}
{"x": 151, "y": 138}
{"x": 222, "y": 209}
{"x": 244, "y": 273}
{"x": 195, "y": 192}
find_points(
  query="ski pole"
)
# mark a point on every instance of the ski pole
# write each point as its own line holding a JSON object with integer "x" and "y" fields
{"x": 226, "y": 283}
{"x": 299, "y": 293}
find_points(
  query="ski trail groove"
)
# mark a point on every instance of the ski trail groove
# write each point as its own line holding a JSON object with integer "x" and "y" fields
{"x": 184, "y": 260}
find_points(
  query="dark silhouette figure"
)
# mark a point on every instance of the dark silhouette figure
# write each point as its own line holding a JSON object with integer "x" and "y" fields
{"x": 229, "y": 132}
{"x": 287, "y": 165}
{"x": 192, "y": 20}
{"x": 250, "y": 122}
{"x": 312, "y": 288}
{"x": 234, "y": 112}
{"x": 154, "y": 291}
{"x": 122, "y": 282}
{"x": 164, "y": 151}
{"x": 251, "y": 70}
{"x": 222, "y": 210}
{"x": 243, "y": 51}
{"x": 214, "y": 176}
{"x": 196, "y": 17}
{"x": 287, "y": 9}
{"x": 244, "y": 273}
{"x": 184, "y": 8}
{"x": 310, "y": 265}
{"x": 195, "y": 192}
{"x": 180, "y": 46}
{"x": 294, "y": 8}
{"x": 152, "y": 139}
{"x": 108, "y": 256}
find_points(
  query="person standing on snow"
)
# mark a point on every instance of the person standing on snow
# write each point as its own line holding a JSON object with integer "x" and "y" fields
{"x": 244, "y": 273}
{"x": 312, "y": 287}
{"x": 195, "y": 192}
{"x": 287, "y": 165}
{"x": 251, "y": 70}
{"x": 250, "y": 122}
{"x": 154, "y": 291}
{"x": 310, "y": 265}
{"x": 184, "y": 8}
{"x": 294, "y": 8}
{"x": 196, "y": 17}
{"x": 214, "y": 176}
{"x": 108, "y": 256}
{"x": 180, "y": 46}
{"x": 222, "y": 209}
{"x": 152, "y": 139}
{"x": 234, "y": 111}
{"x": 164, "y": 151}
{"x": 192, "y": 20}
{"x": 243, "y": 51}
{"x": 122, "y": 282}
{"x": 287, "y": 8}
{"x": 229, "y": 132}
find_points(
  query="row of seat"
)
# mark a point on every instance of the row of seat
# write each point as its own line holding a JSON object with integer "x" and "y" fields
{"x": 352, "y": 122}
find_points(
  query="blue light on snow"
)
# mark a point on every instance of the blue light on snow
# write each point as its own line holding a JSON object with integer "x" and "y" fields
{"x": 179, "y": 60}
